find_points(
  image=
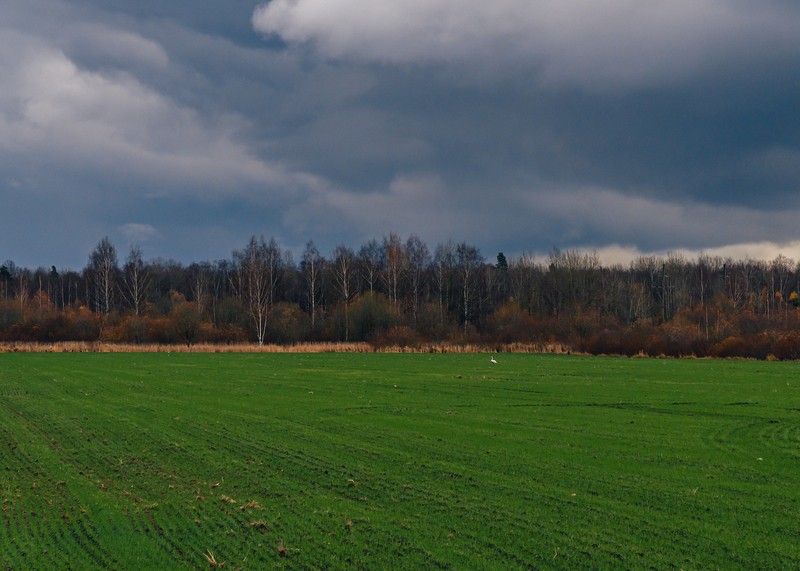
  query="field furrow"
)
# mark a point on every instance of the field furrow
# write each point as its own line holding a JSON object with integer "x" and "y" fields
{"x": 337, "y": 461}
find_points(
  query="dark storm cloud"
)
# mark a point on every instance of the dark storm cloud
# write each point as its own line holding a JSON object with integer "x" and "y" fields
{"x": 101, "y": 117}
{"x": 515, "y": 125}
{"x": 677, "y": 122}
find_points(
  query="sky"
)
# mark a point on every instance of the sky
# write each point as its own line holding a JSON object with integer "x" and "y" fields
{"x": 620, "y": 126}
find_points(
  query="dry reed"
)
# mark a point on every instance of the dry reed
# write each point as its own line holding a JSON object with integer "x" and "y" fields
{"x": 105, "y": 347}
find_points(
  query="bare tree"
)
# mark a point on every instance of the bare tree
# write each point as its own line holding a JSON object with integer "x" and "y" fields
{"x": 417, "y": 258}
{"x": 780, "y": 270}
{"x": 572, "y": 279}
{"x": 443, "y": 262}
{"x": 370, "y": 262}
{"x": 200, "y": 283}
{"x": 23, "y": 277}
{"x": 221, "y": 284}
{"x": 275, "y": 261}
{"x": 135, "y": 280}
{"x": 707, "y": 271}
{"x": 394, "y": 265}
{"x": 342, "y": 266}
{"x": 525, "y": 275}
{"x": 255, "y": 279}
{"x": 103, "y": 266}
{"x": 468, "y": 261}
{"x": 312, "y": 267}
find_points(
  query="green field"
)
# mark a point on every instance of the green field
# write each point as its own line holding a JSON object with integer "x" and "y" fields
{"x": 381, "y": 461}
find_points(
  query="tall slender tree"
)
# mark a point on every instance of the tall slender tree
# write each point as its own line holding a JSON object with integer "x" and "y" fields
{"x": 418, "y": 258}
{"x": 103, "y": 266}
{"x": 200, "y": 284}
{"x": 342, "y": 263}
{"x": 468, "y": 261}
{"x": 370, "y": 263}
{"x": 312, "y": 268}
{"x": 135, "y": 280}
{"x": 443, "y": 263}
{"x": 254, "y": 283}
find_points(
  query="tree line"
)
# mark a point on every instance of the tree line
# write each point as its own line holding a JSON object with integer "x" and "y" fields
{"x": 392, "y": 291}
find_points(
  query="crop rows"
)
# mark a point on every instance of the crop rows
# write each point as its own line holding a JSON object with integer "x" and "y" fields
{"x": 404, "y": 461}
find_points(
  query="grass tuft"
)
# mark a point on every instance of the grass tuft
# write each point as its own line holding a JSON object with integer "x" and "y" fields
{"x": 212, "y": 561}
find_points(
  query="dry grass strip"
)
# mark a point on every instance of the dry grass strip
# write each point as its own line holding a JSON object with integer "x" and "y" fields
{"x": 104, "y": 347}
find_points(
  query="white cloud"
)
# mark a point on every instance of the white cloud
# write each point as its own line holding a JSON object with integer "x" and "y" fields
{"x": 136, "y": 232}
{"x": 113, "y": 124}
{"x": 754, "y": 250}
{"x": 622, "y": 42}
{"x": 764, "y": 251}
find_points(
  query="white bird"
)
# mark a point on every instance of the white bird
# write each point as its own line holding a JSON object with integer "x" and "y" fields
{"x": 493, "y": 360}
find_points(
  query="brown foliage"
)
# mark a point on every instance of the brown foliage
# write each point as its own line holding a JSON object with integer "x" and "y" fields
{"x": 508, "y": 324}
{"x": 751, "y": 347}
{"x": 397, "y": 336}
{"x": 787, "y": 346}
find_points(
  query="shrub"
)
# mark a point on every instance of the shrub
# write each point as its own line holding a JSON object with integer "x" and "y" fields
{"x": 288, "y": 324}
{"x": 225, "y": 333}
{"x": 10, "y": 314}
{"x": 508, "y": 324}
{"x": 752, "y": 347}
{"x": 787, "y": 347}
{"x": 398, "y": 336}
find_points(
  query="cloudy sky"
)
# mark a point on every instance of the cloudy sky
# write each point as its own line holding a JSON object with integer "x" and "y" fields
{"x": 516, "y": 125}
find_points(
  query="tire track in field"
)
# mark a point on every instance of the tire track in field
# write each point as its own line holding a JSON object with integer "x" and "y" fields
{"x": 782, "y": 435}
{"x": 756, "y": 437}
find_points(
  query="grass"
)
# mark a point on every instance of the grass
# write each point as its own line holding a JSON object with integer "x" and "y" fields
{"x": 372, "y": 461}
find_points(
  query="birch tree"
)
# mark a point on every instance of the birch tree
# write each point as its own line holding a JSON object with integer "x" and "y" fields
{"x": 103, "y": 266}
{"x": 394, "y": 265}
{"x": 468, "y": 261}
{"x": 135, "y": 280}
{"x": 342, "y": 267}
{"x": 370, "y": 263}
{"x": 256, "y": 277}
{"x": 312, "y": 267}
{"x": 417, "y": 258}
{"x": 443, "y": 262}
